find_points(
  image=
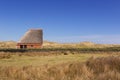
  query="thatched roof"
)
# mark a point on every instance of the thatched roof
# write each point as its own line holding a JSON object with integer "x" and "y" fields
{"x": 32, "y": 36}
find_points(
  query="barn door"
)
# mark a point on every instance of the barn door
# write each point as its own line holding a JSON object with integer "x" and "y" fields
{"x": 23, "y": 46}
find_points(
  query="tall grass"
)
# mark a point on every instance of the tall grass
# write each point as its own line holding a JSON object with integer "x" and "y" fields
{"x": 103, "y": 68}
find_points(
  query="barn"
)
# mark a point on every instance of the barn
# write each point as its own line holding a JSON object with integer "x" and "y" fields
{"x": 33, "y": 38}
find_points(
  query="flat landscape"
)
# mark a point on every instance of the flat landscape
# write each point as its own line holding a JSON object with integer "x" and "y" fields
{"x": 80, "y": 61}
{"x": 59, "y": 39}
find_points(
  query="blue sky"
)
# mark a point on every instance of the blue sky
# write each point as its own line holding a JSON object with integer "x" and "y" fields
{"x": 62, "y": 20}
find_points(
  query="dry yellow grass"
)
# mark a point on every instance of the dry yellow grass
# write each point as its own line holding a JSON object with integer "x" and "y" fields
{"x": 103, "y": 68}
{"x": 60, "y": 65}
{"x": 8, "y": 44}
{"x": 38, "y": 59}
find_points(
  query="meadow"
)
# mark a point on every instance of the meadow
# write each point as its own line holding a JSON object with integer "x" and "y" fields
{"x": 86, "y": 61}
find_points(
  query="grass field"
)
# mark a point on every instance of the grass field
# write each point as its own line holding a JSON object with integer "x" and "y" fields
{"x": 61, "y": 63}
{"x": 62, "y": 66}
{"x": 84, "y": 66}
{"x": 37, "y": 60}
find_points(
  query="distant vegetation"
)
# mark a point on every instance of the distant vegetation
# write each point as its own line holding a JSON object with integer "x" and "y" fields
{"x": 85, "y": 44}
{"x": 83, "y": 47}
{"x": 7, "y": 44}
{"x": 47, "y": 44}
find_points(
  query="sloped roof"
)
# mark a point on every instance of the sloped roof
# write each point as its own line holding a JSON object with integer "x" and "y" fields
{"x": 32, "y": 36}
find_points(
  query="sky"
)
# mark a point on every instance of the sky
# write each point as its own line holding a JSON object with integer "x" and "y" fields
{"x": 62, "y": 20}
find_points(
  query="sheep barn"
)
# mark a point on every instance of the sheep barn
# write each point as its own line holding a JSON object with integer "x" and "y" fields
{"x": 33, "y": 38}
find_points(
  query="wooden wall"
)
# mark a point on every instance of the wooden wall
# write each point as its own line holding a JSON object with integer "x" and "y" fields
{"x": 30, "y": 45}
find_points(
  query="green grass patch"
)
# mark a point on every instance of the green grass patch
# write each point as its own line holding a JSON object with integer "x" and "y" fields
{"x": 24, "y": 60}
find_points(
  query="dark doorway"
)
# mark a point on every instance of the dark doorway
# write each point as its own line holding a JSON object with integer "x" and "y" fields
{"x": 23, "y": 46}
